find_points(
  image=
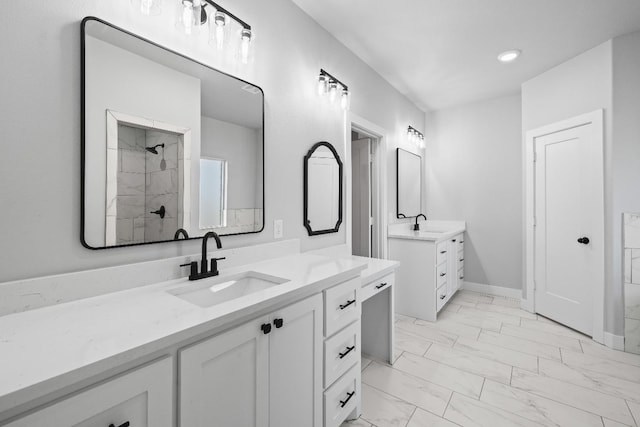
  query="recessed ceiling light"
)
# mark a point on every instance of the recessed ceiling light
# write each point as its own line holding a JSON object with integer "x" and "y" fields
{"x": 509, "y": 55}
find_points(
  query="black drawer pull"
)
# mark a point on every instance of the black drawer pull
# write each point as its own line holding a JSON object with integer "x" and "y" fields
{"x": 461, "y": 259}
{"x": 349, "y": 349}
{"x": 349, "y": 396}
{"x": 381, "y": 285}
{"x": 343, "y": 306}
{"x": 443, "y": 274}
{"x": 453, "y": 240}
{"x": 278, "y": 323}
{"x": 461, "y": 277}
{"x": 443, "y": 296}
{"x": 443, "y": 252}
{"x": 121, "y": 425}
{"x": 461, "y": 241}
{"x": 265, "y": 328}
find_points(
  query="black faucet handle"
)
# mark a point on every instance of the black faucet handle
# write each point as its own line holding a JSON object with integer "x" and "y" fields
{"x": 218, "y": 259}
{"x": 214, "y": 265}
{"x": 194, "y": 268}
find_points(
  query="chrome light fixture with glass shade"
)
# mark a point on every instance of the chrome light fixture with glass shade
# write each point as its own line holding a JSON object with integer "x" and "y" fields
{"x": 415, "y": 137}
{"x": 334, "y": 87}
{"x": 191, "y": 16}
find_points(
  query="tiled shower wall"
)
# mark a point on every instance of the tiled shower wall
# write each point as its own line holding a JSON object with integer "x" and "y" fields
{"x": 145, "y": 184}
{"x": 632, "y": 282}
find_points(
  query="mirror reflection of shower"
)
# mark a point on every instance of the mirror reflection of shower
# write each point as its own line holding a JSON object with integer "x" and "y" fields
{"x": 148, "y": 184}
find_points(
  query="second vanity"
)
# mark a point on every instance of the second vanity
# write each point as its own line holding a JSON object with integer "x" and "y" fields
{"x": 148, "y": 356}
{"x": 431, "y": 267}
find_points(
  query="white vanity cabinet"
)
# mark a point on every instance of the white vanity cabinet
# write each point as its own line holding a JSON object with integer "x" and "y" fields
{"x": 143, "y": 398}
{"x": 342, "y": 352}
{"x": 431, "y": 271}
{"x": 266, "y": 372}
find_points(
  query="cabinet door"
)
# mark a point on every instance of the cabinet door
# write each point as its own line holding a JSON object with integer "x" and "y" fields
{"x": 295, "y": 365}
{"x": 224, "y": 380}
{"x": 143, "y": 397}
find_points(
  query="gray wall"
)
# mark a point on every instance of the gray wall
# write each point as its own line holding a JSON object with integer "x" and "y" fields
{"x": 473, "y": 174}
{"x": 40, "y": 123}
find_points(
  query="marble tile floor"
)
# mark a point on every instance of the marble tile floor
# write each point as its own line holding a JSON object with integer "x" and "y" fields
{"x": 487, "y": 363}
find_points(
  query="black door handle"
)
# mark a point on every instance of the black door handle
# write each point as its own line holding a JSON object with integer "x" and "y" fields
{"x": 349, "y": 396}
{"x": 278, "y": 322}
{"x": 349, "y": 349}
{"x": 265, "y": 328}
{"x": 343, "y": 306}
{"x": 583, "y": 240}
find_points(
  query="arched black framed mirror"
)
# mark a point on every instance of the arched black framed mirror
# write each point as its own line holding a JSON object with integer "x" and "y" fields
{"x": 322, "y": 189}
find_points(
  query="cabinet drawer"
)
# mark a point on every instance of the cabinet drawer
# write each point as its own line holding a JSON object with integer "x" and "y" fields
{"x": 375, "y": 286}
{"x": 143, "y": 397}
{"x": 341, "y": 352}
{"x": 441, "y": 252}
{"x": 341, "y": 398}
{"x": 441, "y": 274}
{"x": 442, "y": 296}
{"x": 341, "y": 306}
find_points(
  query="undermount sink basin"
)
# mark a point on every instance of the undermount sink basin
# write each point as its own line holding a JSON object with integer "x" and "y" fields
{"x": 213, "y": 291}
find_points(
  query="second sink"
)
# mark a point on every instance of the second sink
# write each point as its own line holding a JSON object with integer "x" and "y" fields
{"x": 210, "y": 292}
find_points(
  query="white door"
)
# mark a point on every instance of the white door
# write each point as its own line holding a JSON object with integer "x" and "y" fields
{"x": 568, "y": 224}
{"x": 224, "y": 380}
{"x": 295, "y": 365}
{"x": 361, "y": 197}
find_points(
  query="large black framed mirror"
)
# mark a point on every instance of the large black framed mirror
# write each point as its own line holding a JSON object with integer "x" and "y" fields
{"x": 171, "y": 148}
{"x": 322, "y": 189}
{"x": 408, "y": 184}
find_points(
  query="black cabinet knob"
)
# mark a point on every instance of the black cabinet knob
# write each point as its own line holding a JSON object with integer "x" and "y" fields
{"x": 583, "y": 240}
{"x": 265, "y": 328}
{"x": 278, "y": 323}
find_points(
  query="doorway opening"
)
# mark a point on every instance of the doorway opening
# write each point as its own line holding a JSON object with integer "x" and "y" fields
{"x": 365, "y": 186}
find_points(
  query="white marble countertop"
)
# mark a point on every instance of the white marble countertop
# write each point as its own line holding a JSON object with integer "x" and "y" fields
{"x": 429, "y": 230}
{"x": 53, "y": 347}
{"x": 376, "y": 268}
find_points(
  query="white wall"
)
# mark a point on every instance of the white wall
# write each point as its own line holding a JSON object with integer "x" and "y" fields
{"x": 239, "y": 146}
{"x": 473, "y": 174}
{"x": 40, "y": 123}
{"x": 581, "y": 85}
{"x": 625, "y": 171}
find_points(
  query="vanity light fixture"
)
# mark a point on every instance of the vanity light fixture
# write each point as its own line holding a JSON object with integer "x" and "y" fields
{"x": 509, "y": 55}
{"x": 192, "y": 15}
{"x": 329, "y": 84}
{"x": 415, "y": 137}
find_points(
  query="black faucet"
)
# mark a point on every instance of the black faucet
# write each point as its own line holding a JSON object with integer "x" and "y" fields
{"x": 205, "y": 271}
{"x": 416, "y": 226}
{"x": 181, "y": 231}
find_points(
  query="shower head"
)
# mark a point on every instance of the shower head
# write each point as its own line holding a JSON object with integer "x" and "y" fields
{"x": 154, "y": 148}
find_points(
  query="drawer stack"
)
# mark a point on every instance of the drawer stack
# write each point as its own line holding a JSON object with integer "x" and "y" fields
{"x": 341, "y": 351}
{"x": 442, "y": 264}
{"x": 460, "y": 262}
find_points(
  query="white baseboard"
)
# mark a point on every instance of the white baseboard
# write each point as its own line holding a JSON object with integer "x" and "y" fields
{"x": 492, "y": 290}
{"x": 615, "y": 342}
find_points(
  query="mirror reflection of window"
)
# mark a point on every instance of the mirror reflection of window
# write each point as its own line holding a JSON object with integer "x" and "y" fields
{"x": 213, "y": 193}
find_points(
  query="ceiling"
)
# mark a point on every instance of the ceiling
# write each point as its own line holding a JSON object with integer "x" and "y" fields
{"x": 442, "y": 53}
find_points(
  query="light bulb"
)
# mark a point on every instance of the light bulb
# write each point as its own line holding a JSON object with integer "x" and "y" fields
{"x": 344, "y": 99}
{"x": 333, "y": 91}
{"x": 220, "y": 25}
{"x": 245, "y": 44}
{"x": 147, "y": 7}
{"x": 186, "y": 18}
{"x": 322, "y": 84}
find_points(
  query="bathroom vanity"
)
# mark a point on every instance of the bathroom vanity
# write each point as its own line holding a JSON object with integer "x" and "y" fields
{"x": 281, "y": 351}
{"x": 431, "y": 266}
